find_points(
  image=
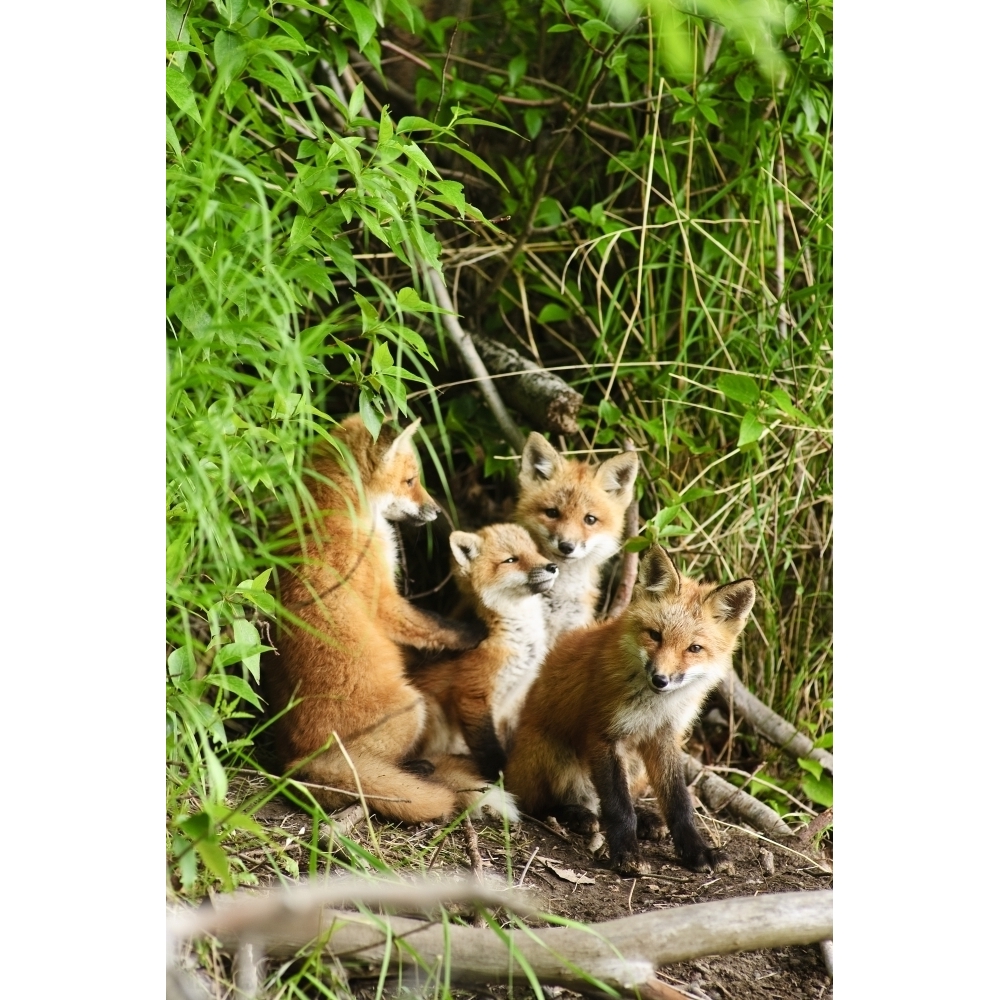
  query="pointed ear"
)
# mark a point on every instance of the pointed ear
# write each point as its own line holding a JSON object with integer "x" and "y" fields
{"x": 539, "y": 460}
{"x": 464, "y": 547}
{"x": 731, "y": 603}
{"x": 657, "y": 574}
{"x": 617, "y": 475}
{"x": 403, "y": 440}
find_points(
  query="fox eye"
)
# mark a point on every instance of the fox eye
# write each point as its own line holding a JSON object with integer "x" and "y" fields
{"x": 694, "y": 648}
{"x": 411, "y": 480}
{"x": 551, "y": 512}
{"x": 511, "y": 559}
{"x": 590, "y": 519}
{"x": 655, "y": 636}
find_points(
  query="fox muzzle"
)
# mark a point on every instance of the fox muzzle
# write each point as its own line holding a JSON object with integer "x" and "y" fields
{"x": 541, "y": 578}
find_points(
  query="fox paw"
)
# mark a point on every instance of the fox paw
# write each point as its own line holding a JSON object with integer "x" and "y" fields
{"x": 630, "y": 865}
{"x": 649, "y": 825}
{"x": 705, "y": 858}
{"x": 579, "y": 819}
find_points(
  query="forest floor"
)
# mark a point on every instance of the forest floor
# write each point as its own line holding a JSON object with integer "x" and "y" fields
{"x": 545, "y": 862}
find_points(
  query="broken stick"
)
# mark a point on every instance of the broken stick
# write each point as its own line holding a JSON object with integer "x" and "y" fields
{"x": 624, "y": 953}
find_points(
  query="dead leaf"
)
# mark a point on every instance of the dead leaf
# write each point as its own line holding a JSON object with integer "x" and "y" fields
{"x": 568, "y": 875}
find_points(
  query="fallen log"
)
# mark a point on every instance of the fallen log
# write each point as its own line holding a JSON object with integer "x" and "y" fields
{"x": 719, "y": 794}
{"x": 772, "y": 726}
{"x": 540, "y": 396}
{"x": 623, "y": 954}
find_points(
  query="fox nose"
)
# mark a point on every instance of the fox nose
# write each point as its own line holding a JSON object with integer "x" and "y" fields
{"x": 429, "y": 511}
{"x": 552, "y": 568}
{"x": 566, "y": 547}
{"x": 660, "y": 681}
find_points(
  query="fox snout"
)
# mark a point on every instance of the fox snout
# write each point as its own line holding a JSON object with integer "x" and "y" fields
{"x": 427, "y": 512}
{"x": 668, "y": 682}
{"x": 541, "y": 578}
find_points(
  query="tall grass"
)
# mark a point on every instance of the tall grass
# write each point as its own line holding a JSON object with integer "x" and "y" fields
{"x": 668, "y": 250}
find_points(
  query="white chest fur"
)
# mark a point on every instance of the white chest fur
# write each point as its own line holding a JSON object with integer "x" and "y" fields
{"x": 524, "y": 636}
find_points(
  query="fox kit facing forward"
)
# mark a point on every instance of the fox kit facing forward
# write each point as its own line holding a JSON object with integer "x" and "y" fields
{"x": 630, "y": 686}
{"x": 575, "y": 513}
{"x": 340, "y": 657}
{"x": 477, "y": 696}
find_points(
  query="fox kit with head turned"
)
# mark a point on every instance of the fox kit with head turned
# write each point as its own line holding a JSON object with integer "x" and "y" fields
{"x": 477, "y": 696}
{"x": 628, "y": 687}
{"x": 575, "y": 513}
{"x": 341, "y": 659}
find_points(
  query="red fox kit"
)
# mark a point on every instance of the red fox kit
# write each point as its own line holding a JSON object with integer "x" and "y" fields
{"x": 575, "y": 513}
{"x": 478, "y": 695}
{"x": 341, "y": 655}
{"x": 629, "y": 686}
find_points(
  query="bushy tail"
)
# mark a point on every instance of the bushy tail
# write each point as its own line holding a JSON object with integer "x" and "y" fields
{"x": 389, "y": 790}
{"x": 471, "y": 789}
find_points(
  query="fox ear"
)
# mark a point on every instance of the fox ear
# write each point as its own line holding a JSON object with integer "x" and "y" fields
{"x": 617, "y": 475}
{"x": 657, "y": 573}
{"x": 403, "y": 440}
{"x": 731, "y": 603}
{"x": 539, "y": 460}
{"x": 464, "y": 547}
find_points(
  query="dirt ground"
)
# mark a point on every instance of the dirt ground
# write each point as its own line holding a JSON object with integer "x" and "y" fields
{"x": 536, "y": 850}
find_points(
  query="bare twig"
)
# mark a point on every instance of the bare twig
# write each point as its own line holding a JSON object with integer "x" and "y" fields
{"x": 473, "y": 361}
{"x": 475, "y": 860}
{"x": 826, "y": 950}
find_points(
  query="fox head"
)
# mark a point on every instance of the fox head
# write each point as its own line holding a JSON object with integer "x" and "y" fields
{"x": 678, "y": 630}
{"x": 389, "y": 472}
{"x": 500, "y": 564}
{"x": 574, "y": 510}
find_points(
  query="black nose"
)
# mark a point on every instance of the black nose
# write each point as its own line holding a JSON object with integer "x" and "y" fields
{"x": 660, "y": 682}
{"x": 552, "y": 568}
{"x": 566, "y": 547}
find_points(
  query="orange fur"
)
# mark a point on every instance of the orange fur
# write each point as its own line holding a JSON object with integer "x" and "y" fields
{"x": 629, "y": 686}
{"x": 478, "y": 694}
{"x": 341, "y": 654}
{"x": 575, "y": 513}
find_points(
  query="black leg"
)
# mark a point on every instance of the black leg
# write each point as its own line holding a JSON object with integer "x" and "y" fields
{"x": 688, "y": 842}
{"x": 609, "y": 779}
{"x": 487, "y": 752}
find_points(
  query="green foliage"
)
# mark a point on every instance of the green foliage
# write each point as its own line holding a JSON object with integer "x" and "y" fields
{"x": 638, "y": 175}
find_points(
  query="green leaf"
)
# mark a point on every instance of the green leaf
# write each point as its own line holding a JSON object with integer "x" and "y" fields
{"x": 552, "y": 313}
{"x": 180, "y": 92}
{"x": 381, "y": 358}
{"x": 824, "y": 742}
{"x": 175, "y": 143}
{"x": 413, "y": 123}
{"x": 820, "y": 790}
{"x": 475, "y": 161}
{"x": 636, "y": 544}
{"x": 370, "y": 416}
{"x": 357, "y": 99}
{"x": 215, "y": 860}
{"x": 301, "y": 230}
{"x": 558, "y": 29}
{"x": 533, "y": 121}
{"x": 180, "y": 664}
{"x": 516, "y": 69}
{"x": 814, "y": 767}
{"x": 745, "y": 86}
{"x": 740, "y": 388}
{"x": 384, "y": 127}
{"x": 238, "y": 686}
{"x": 231, "y": 56}
{"x": 609, "y": 413}
{"x": 709, "y": 112}
{"x": 751, "y": 429}
{"x": 364, "y": 22}
{"x": 339, "y": 250}
{"x": 695, "y": 493}
{"x": 410, "y": 301}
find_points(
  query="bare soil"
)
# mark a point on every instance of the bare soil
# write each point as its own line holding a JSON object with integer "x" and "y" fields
{"x": 535, "y": 850}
